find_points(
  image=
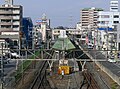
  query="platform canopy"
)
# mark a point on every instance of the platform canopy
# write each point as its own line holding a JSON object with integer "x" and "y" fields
{"x": 63, "y": 44}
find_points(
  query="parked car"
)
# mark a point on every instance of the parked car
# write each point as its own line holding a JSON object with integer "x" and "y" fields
{"x": 112, "y": 59}
{"x": 15, "y": 55}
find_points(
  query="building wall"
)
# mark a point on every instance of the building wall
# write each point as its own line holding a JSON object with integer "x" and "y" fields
{"x": 10, "y": 18}
{"x": 43, "y": 30}
{"x": 74, "y": 31}
{"x": 108, "y": 19}
{"x": 107, "y": 22}
{"x": 114, "y": 5}
{"x": 89, "y": 17}
{"x": 43, "y": 25}
{"x": 27, "y": 30}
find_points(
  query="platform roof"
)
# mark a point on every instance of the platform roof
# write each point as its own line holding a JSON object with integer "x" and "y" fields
{"x": 63, "y": 44}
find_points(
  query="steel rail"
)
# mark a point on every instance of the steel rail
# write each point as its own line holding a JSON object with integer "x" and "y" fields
{"x": 40, "y": 75}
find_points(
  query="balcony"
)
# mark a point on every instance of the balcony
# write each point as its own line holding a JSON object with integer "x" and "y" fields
{"x": 6, "y": 23}
{"x": 6, "y": 12}
{"x": 16, "y": 12}
{"x": 16, "y": 29}
{"x": 10, "y": 36}
{"x": 6, "y": 17}
{"x": 6, "y": 29}
{"x": 16, "y": 17}
{"x": 16, "y": 23}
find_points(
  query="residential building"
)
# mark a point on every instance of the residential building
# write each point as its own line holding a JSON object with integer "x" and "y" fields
{"x": 36, "y": 37}
{"x": 114, "y": 5}
{"x": 43, "y": 26}
{"x": 107, "y": 24}
{"x": 10, "y": 22}
{"x": 108, "y": 19}
{"x": 89, "y": 17}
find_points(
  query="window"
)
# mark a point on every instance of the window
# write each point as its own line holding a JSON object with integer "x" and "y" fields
{"x": 4, "y": 26}
{"x": 114, "y": 8}
{"x": 15, "y": 43}
{"x": 5, "y": 20}
{"x": 116, "y": 16}
{"x": 102, "y": 22}
{"x": 116, "y": 22}
{"x": 15, "y": 26}
{"x": 105, "y": 16}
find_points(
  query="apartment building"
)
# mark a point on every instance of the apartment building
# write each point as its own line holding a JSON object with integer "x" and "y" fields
{"x": 114, "y": 5}
{"x": 107, "y": 23}
{"x": 109, "y": 18}
{"x": 43, "y": 26}
{"x": 10, "y": 21}
{"x": 89, "y": 17}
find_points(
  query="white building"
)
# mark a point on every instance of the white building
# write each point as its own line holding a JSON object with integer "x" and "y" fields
{"x": 108, "y": 19}
{"x": 107, "y": 23}
{"x": 79, "y": 26}
{"x": 69, "y": 31}
{"x": 43, "y": 27}
{"x": 114, "y": 5}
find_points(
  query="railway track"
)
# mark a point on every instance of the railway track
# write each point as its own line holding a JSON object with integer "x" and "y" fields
{"x": 92, "y": 84}
{"x": 40, "y": 81}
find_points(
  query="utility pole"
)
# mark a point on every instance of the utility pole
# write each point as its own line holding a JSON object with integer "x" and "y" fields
{"x": 2, "y": 69}
{"x": 107, "y": 41}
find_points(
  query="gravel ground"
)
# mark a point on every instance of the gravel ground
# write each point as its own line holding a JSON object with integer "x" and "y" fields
{"x": 71, "y": 81}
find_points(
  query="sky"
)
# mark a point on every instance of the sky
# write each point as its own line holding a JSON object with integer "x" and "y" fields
{"x": 61, "y": 12}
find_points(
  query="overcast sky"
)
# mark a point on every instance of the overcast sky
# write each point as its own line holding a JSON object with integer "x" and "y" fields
{"x": 61, "y": 12}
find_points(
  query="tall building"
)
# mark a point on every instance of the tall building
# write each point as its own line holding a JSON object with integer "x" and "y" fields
{"x": 107, "y": 23}
{"x": 10, "y": 21}
{"x": 27, "y": 30}
{"x": 89, "y": 17}
{"x": 109, "y": 18}
{"x": 43, "y": 27}
{"x": 114, "y": 5}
